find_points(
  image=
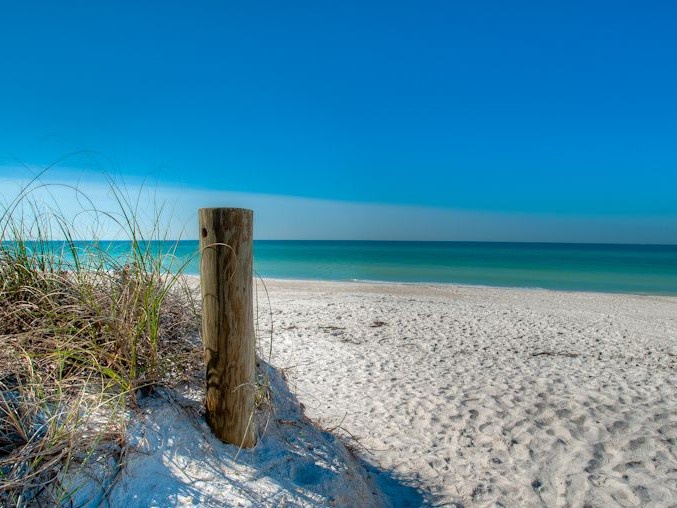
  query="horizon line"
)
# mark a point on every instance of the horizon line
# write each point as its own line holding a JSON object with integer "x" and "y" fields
{"x": 637, "y": 244}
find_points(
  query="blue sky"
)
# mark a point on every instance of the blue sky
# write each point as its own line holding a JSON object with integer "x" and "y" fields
{"x": 539, "y": 113}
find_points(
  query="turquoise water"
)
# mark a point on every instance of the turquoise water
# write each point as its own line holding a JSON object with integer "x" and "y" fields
{"x": 608, "y": 268}
{"x": 648, "y": 269}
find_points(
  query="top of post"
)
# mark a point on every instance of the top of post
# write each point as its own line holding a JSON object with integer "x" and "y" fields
{"x": 212, "y": 209}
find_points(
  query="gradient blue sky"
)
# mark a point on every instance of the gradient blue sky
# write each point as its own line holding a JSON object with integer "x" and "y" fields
{"x": 549, "y": 111}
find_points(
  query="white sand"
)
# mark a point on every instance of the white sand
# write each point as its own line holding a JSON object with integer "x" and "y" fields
{"x": 485, "y": 396}
{"x": 172, "y": 459}
{"x": 460, "y": 395}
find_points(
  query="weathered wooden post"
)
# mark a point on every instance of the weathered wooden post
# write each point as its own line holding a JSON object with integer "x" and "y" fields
{"x": 227, "y": 322}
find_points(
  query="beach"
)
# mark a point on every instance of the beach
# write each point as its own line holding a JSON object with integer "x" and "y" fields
{"x": 338, "y": 254}
{"x": 412, "y": 395}
{"x": 487, "y": 396}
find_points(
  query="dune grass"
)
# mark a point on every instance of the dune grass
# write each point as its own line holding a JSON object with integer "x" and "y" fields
{"x": 83, "y": 332}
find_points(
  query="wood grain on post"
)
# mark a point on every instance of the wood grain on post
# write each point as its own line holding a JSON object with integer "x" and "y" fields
{"x": 227, "y": 322}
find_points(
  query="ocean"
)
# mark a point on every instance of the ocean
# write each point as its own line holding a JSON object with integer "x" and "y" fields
{"x": 643, "y": 269}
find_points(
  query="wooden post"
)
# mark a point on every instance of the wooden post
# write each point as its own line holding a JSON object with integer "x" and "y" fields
{"x": 227, "y": 322}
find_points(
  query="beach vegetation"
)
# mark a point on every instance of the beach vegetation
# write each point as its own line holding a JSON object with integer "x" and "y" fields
{"x": 84, "y": 332}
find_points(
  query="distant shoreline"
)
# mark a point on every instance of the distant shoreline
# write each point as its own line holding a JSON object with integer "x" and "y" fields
{"x": 442, "y": 285}
{"x": 451, "y": 285}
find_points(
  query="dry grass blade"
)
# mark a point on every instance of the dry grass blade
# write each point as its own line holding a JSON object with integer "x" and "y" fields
{"x": 83, "y": 331}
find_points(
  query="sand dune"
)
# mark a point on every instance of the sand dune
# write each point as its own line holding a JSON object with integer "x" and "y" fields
{"x": 480, "y": 396}
{"x": 173, "y": 459}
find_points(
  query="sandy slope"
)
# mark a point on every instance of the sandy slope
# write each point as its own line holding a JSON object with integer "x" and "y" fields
{"x": 480, "y": 396}
{"x": 173, "y": 459}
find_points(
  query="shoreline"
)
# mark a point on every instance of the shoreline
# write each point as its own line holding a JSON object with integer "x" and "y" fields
{"x": 461, "y": 285}
{"x": 450, "y": 285}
